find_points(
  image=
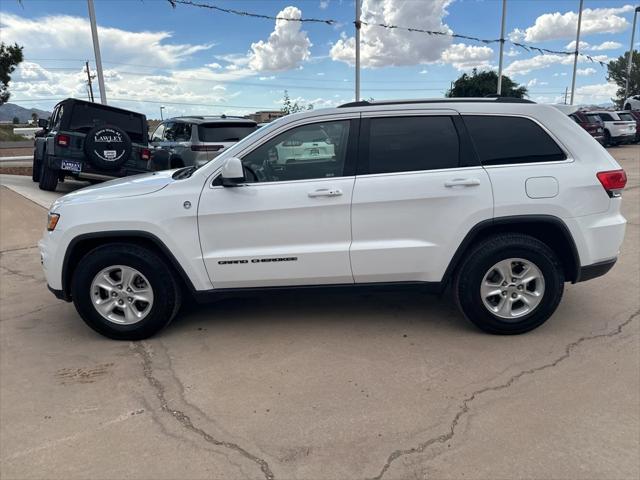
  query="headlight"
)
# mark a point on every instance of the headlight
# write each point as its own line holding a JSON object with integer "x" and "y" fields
{"x": 52, "y": 221}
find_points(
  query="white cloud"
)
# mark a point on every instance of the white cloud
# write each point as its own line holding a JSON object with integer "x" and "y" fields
{"x": 512, "y": 52}
{"x": 423, "y": 71}
{"x": 607, "y": 46}
{"x": 286, "y": 47}
{"x": 597, "y": 93}
{"x": 323, "y": 4}
{"x": 71, "y": 37}
{"x": 596, "y": 48}
{"x": 466, "y": 57}
{"x": 555, "y": 26}
{"x": 584, "y": 72}
{"x": 382, "y": 47}
{"x": 571, "y": 46}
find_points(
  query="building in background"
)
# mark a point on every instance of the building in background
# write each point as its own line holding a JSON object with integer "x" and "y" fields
{"x": 265, "y": 116}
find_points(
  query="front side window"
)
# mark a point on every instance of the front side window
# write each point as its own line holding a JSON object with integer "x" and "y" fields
{"x": 178, "y": 132}
{"x": 406, "y": 144}
{"x": 318, "y": 150}
{"x": 606, "y": 117}
{"x": 503, "y": 140}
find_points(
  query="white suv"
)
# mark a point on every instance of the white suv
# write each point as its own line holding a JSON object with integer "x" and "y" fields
{"x": 619, "y": 127}
{"x": 502, "y": 200}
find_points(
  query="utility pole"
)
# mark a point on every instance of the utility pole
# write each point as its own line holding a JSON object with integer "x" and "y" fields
{"x": 358, "y": 25}
{"x": 575, "y": 60}
{"x": 566, "y": 92}
{"x": 161, "y": 109}
{"x": 504, "y": 16}
{"x": 96, "y": 51}
{"x": 630, "y": 57}
{"x": 89, "y": 78}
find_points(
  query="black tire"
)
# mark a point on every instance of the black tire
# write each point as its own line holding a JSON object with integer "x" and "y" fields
{"x": 488, "y": 253}
{"x": 166, "y": 291}
{"x": 48, "y": 178}
{"x": 35, "y": 169}
{"x": 607, "y": 139}
{"x": 107, "y": 147}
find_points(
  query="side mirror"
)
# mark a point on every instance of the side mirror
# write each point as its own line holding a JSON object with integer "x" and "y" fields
{"x": 232, "y": 172}
{"x": 42, "y": 123}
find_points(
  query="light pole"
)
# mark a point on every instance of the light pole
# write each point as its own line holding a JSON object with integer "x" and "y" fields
{"x": 357, "y": 39}
{"x": 504, "y": 16}
{"x": 575, "y": 60}
{"x": 96, "y": 51}
{"x": 161, "y": 109}
{"x": 630, "y": 57}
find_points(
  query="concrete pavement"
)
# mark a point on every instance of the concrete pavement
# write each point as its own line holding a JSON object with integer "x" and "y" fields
{"x": 312, "y": 386}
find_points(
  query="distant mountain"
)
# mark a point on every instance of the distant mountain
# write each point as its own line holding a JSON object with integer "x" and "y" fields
{"x": 10, "y": 110}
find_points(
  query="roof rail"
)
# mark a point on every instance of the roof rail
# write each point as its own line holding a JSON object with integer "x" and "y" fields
{"x": 497, "y": 99}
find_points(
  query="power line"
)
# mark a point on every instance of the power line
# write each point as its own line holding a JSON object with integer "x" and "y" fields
{"x": 250, "y": 14}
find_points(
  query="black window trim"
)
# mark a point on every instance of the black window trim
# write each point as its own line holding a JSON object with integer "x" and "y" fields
{"x": 467, "y": 157}
{"x": 556, "y": 140}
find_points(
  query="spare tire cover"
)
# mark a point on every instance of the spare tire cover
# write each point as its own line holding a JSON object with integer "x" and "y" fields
{"x": 107, "y": 147}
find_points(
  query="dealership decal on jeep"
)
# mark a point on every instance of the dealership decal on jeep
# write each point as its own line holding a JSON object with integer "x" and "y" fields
{"x": 500, "y": 200}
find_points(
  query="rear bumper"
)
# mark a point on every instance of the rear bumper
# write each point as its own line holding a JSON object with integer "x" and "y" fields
{"x": 595, "y": 270}
{"x": 88, "y": 171}
{"x": 624, "y": 138}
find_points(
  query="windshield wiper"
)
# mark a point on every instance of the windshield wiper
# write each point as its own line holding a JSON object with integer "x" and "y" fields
{"x": 185, "y": 172}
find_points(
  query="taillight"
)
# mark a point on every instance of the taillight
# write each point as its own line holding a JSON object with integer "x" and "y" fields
{"x": 206, "y": 148}
{"x": 613, "y": 181}
{"x": 145, "y": 154}
{"x": 63, "y": 140}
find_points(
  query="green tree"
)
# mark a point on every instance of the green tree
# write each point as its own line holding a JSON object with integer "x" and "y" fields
{"x": 288, "y": 106}
{"x": 618, "y": 74}
{"x": 481, "y": 84}
{"x": 15, "y": 120}
{"x": 10, "y": 57}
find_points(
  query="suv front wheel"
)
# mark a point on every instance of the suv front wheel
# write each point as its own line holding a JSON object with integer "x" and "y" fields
{"x": 509, "y": 284}
{"x": 125, "y": 291}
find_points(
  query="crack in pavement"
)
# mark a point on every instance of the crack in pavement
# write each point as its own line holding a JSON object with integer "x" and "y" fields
{"x": 39, "y": 309}
{"x": 465, "y": 406}
{"x": 20, "y": 274}
{"x": 9, "y": 250}
{"x": 183, "y": 419}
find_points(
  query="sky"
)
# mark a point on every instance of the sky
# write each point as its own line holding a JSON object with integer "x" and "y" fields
{"x": 199, "y": 61}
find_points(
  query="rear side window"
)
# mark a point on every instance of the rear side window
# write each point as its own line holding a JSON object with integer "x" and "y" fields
{"x": 606, "y": 117}
{"x": 407, "y": 144}
{"x": 594, "y": 118}
{"x": 227, "y": 132}
{"x": 85, "y": 117}
{"x": 626, "y": 117}
{"x": 508, "y": 140}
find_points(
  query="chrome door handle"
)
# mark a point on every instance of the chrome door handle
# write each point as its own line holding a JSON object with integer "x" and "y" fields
{"x": 462, "y": 182}
{"x": 325, "y": 192}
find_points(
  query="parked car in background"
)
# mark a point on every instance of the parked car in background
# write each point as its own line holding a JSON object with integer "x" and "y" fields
{"x": 616, "y": 130}
{"x": 632, "y": 115}
{"x": 591, "y": 122}
{"x": 195, "y": 140}
{"x": 499, "y": 199}
{"x": 89, "y": 141}
{"x": 632, "y": 103}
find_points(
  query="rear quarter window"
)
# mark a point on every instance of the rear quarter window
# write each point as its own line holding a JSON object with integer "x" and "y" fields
{"x": 501, "y": 140}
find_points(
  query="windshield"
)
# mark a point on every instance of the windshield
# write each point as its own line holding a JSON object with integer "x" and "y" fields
{"x": 227, "y": 132}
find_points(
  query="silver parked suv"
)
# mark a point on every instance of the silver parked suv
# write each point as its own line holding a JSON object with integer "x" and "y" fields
{"x": 195, "y": 140}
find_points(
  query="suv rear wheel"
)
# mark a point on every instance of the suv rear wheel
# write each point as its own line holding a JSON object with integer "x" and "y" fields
{"x": 48, "y": 178}
{"x": 509, "y": 284}
{"x": 125, "y": 292}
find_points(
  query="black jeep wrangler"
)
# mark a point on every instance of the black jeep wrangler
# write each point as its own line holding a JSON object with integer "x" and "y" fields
{"x": 90, "y": 141}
